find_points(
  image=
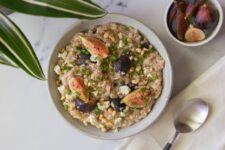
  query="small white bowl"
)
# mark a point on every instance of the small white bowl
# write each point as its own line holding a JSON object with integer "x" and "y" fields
{"x": 209, "y": 38}
{"x": 161, "y": 102}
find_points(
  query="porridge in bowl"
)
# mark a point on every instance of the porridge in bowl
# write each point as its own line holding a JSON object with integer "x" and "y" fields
{"x": 109, "y": 76}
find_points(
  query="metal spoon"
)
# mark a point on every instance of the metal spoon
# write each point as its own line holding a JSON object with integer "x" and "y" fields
{"x": 189, "y": 118}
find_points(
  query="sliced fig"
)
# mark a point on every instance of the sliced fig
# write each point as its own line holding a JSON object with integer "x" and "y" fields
{"x": 181, "y": 24}
{"x": 76, "y": 85}
{"x": 136, "y": 99}
{"x": 192, "y": 7}
{"x": 206, "y": 17}
{"x": 95, "y": 46}
{"x": 194, "y": 34}
{"x": 84, "y": 107}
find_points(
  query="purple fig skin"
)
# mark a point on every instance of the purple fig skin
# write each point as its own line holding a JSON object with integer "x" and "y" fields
{"x": 206, "y": 17}
{"x": 173, "y": 27}
{"x": 172, "y": 13}
{"x": 192, "y": 7}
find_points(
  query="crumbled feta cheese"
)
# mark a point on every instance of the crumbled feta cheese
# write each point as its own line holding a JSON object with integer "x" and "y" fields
{"x": 120, "y": 35}
{"x": 62, "y": 89}
{"x": 57, "y": 69}
{"x": 121, "y": 44}
{"x": 106, "y": 35}
{"x": 122, "y": 114}
{"x": 138, "y": 50}
{"x": 62, "y": 55}
{"x": 93, "y": 58}
{"x": 95, "y": 93}
{"x": 103, "y": 105}
{"x": 70, "y": 97}
{"x": 117, "y": 120}
{"x": 138, "y": 68}
{"x": 124, "y": 89}
{"x": 92, "y": 119}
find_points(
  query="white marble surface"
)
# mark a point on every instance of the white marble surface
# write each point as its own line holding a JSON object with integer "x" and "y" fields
{"x": 28, "y": 119}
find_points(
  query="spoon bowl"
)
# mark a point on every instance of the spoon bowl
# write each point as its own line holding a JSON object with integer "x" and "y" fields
{"x": 189, "y": 118}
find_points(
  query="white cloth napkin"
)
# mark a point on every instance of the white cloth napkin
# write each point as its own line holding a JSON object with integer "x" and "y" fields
{"x": 211, "y": 136}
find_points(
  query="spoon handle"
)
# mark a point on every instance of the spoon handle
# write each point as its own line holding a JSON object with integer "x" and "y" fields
{"x": 168, "y": 146}
{"x": 170, "y": 143}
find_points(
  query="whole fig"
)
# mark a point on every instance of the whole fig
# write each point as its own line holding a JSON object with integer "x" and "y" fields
{"x": 206, "y": 17}
{"x": 192, "y": 7}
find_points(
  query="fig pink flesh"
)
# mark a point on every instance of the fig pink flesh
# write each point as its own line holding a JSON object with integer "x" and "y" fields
{"x": 95, "y": 46}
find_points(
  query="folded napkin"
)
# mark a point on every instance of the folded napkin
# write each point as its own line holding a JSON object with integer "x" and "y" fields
{"x": 211, "y": 136}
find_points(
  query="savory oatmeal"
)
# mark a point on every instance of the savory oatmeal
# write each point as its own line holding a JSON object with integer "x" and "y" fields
{"x": 109, "y": 76}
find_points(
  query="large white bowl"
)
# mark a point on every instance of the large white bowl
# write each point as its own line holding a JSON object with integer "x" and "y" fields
{"x": 161, "y": 102}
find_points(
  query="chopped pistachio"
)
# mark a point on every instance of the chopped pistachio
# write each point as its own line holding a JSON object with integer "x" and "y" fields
{"x": 97, "y": 111}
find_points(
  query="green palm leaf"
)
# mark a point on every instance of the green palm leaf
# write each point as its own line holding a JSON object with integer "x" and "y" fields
{"x": 15, "y": 49}
{"x": 84, "y": 9}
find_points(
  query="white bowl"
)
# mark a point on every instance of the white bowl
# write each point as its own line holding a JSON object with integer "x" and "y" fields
{"x": 161, "y": 102}
{"x": 209, "y": 38}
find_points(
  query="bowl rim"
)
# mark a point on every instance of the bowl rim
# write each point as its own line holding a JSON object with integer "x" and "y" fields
{"x": 217, "y": 5}
{"x": 170, "y": 87}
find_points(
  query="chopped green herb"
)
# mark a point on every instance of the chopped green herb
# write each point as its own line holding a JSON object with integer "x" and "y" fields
{"x": 77, "y": 94}
{"x": 143, "y": 89}
{"x": 146, "y": 102}
{"x": 153, "y": 49}
{"x": 126, "y": 28}
{"x": 90, "y": 89}
{"x": 146, "y": 54}
{"x": 126, "y": 51}
{"x": 104, "y": 65}
{"x": 112, "y": 47}
{"x": 139, "y": 73}
{"x": 140, "y": 60}
{"x": 66, "y": 68}
{"x": 84, "y": 51}
{"x": 124, "y": 40}
{"x": 76, "y": 71}
{"x": 85, "y": 71}
{"x": 97, "y": 111}
{"x": 134, "y": 109}
{"x": 101, "y": 78}
{"x": 153, "y": 78}
{"x": 66, "y": 107}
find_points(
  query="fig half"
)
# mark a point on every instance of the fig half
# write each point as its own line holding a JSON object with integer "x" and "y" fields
{"x": 76, "y": 85}
{"x": 136, "y": 99}
{"x": 194, "y": 34}
{"x": 95, "y": 46}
